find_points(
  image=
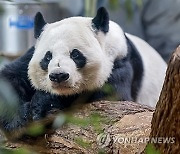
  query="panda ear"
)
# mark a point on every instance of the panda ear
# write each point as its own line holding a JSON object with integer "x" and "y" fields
{"x": 101, "y": 20}
{"x": 39, "y": 23}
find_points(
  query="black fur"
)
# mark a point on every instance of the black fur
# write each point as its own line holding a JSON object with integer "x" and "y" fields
{"x": 16, "y": 74}
{"x": 39, "y": 23}
{"x": 121, "y": 79}
{"x": 138, "y": 69}
{"x": 101, "y": 20}
{"x": 127, "y": 74}
{"x": 78, "y": 58}
{"x": 46, "y": 60}
{"x": 43, "y": 103}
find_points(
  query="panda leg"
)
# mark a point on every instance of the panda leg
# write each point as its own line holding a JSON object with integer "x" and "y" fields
{"x": 17, "y": 120}
{"x": 121, "y": 79}
{"x": 41, "y": 105}
{"x": 44, "y": 103}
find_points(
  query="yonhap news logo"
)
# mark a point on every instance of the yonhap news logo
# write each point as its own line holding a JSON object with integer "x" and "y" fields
{"x": 104, "y": 139}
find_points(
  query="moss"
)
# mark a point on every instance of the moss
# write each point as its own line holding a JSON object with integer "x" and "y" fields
{"x": 80, "y": 141}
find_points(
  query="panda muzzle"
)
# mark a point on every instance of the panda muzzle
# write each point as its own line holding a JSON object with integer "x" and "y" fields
{"x": 58, "y": 77}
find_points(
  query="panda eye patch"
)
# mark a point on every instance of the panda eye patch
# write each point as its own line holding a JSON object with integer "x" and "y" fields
{"x": 48, "y": 57}
{"x": 45, "y": 61}
{"x": 78, "y": 58}
{"x": 75, "y": 54}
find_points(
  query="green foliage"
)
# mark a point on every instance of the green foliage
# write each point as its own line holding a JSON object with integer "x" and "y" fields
{"x": 80, "y": 141}
{"x": 107, "y": 88}
{"x": 110, "y": 91}
{"x": 83, "y": 122}
{"x": 150, "y": 149}
{"x": 35, "y": 129}
{"x": 17, "y": 151}
{"x": 94, "y": 120}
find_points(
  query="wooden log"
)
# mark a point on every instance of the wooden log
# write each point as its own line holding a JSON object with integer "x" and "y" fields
{"x": 106, "y": 122}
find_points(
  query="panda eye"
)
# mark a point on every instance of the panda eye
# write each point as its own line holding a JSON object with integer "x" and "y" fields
{"x": 46, "y": 60}
{"x": 48, "y": 56}
{"x": 75, "y": 54}
{"x": 78, "y": 58}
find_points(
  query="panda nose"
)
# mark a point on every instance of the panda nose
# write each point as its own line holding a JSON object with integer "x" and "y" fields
{"x": 58, "y": 77}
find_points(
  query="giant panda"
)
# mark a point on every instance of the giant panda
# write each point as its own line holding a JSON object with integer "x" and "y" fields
{"x": 81, "y": 54}
{"x": 77, "y": 57}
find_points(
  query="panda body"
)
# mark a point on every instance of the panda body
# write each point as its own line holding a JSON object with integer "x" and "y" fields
{"x": 76, "y": 57}
{"x": 15, "y": 74}
{"x": 101, "y": 42}
{"x": 153, "y": 75}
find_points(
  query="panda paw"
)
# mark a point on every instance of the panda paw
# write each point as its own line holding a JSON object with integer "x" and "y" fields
{"x": 44, "y": 104}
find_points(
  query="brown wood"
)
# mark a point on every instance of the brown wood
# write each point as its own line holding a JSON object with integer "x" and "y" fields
{"x": 166, "y": 118}
{"x": 117, "y": 119}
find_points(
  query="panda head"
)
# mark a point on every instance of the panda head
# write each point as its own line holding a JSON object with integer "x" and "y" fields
{"x": 69, "y": 54}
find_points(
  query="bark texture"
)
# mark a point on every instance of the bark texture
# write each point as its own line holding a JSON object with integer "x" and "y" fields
{"x": 118, "y": 120}
{"x": 166, "y": 118}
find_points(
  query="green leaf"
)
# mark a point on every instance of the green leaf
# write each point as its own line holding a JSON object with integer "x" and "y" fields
{"x": 150, "y": 149}
{"x": 110, "y": 91}
{"x": 35, "y": 129}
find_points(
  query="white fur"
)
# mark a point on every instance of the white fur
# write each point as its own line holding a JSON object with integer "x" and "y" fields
{"x": 61, "y": 38}
{"x": 154, "y": 72}
{"x": 100, "y": 50}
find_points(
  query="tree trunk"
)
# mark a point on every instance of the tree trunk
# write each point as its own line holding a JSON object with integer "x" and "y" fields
{"x": 166, "y": 118}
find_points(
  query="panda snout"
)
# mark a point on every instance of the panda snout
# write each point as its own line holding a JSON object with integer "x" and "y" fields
{"x": 58, "y": 77}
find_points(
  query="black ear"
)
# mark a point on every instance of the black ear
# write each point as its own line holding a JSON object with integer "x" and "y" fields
{"x": 101, "y": 20}
{"x": 39, "y": 23}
